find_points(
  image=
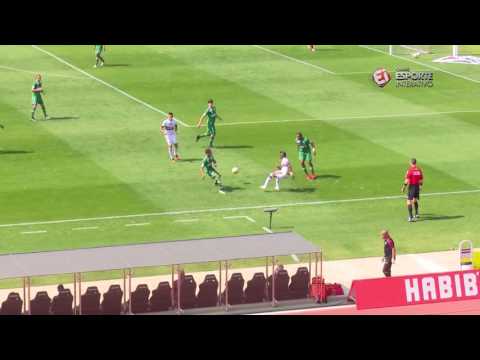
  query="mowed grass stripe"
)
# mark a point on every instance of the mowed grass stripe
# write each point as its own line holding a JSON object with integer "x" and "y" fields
{"x": 197, "y": 211}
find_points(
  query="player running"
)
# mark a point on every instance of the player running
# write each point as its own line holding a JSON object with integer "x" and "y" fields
{"x": 305, "y": 150}
{"x": 282, "y": 172}
{"x": 169, "y": 129}
{"x": 208, "y": 167}
{"x": 211, "y": 114}
{"x": 414, "y": 180}
{"x": 99, "y": 50}
{"x": 37, "y": 90}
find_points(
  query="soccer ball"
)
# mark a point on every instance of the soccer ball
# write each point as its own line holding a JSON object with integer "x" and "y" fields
{"x": 235, "y": 170}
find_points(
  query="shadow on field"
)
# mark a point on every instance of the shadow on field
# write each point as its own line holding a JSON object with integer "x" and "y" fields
{"x": 13, "y": 152}
{"x": 190, "y": 160}
{"x": 229, "y": 189}
{"x": 234, "y": 147}
{"x": 64, "y": 118}
{"x": 302, "y": 190}
{"x": 327, "y": 176}
{"x": 433, "y": 217}
{"x": 115, "y": 65}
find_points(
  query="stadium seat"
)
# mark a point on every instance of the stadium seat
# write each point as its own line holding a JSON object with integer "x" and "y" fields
{"x": 12, "y": 305}
{"x": 91, "y": 301}
{"x": 140, "y": 299}
{"x": 161, "y": 299}
{"x": 255, "y": 291}
{"x": 208, "y": 292}
{"x": 235, "y": 290}
{"x": 299, "y": 284}
{"x": 281, "y": 286}
{"x": 112, "y": 301}
{"x": 62, "y": 304}
{"x": 188, "y": 292}
{"x": 40, "y": 305}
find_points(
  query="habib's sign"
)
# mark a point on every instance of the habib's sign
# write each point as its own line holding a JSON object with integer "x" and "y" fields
{"x": 416, "y": 289}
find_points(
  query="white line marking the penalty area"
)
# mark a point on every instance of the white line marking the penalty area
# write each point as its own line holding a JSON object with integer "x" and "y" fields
{"x": 294, "y": 59}
{"x": 240, "y": 208}
{"x": 421, "y": 63}
{"x": 141, "y": 102}
{"x": 34, "y": 232}
{"x": 248, "y": 218}
{"x": 85, "y": 228}
{"x": 137, "y": 224}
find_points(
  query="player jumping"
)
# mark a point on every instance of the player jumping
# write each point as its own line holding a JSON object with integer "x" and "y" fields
{"x": 305, "y": 150}
{"x": 99, "y": 50}
{"x": 37, "y": 90}
{"x": 211, "y": 114}
{"x": 169, "y": 129}
{"x": 282, "y": 171}
{"x": 208, "y": 167}
{"x": 414, "y": 180}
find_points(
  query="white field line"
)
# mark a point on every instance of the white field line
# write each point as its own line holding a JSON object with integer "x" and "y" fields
{"x": 239, "y": 208}
{"x": 267, "y": 230}
{"x": 46, "y": 74}
{"x": 34, "y": 232}
{"x": 294, "y": 59}
{"x": 428, "y": 265}
{"x": 141, "y": 102}
{"x": 186, "y": 220}
{"x": 137, "y": 224}
{"x": 248, "y": 218}
{"x": 421, "y": 63}
{"x": 85, "y": 228}
{"x": 295, "y": 258}
{"x": 359, "y": 117}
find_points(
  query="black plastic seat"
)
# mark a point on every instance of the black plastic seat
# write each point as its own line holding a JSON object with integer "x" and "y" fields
{"x": 140, "y": 299}
{"x": 188, "y": 292}
{"x": 299, "y": 284}
{"x": 41, "y": 304}
{"x": 208, "y": 292}
{"x": 282, "y": 280}
{"x": 161, "y": 299}
{"x": 62, "y": 304}
{"x": 235, "y": 290}
{"x": 255, "y": 291}
{"x": 112, "y": 301}
{"x": 12, "y": 305}
{"x": 91, "y": 301}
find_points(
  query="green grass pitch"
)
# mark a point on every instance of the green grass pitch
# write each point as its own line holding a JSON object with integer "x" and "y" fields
{"x": 102, "y": 158}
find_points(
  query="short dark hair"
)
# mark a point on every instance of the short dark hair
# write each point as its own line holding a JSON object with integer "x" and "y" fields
{"x": 60, "y": 288}
{"x": 283, "y": 154}
{"x": 210, "y": 101}
{"x": 413, "y": 161}
{"x": 170, "y": 113}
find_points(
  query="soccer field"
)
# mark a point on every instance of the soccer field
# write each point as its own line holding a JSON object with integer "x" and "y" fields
{"x": 98, "y": 173}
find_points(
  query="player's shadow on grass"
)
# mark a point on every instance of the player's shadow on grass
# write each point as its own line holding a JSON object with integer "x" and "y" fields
{"x": 327, "y": 176}
{"x": 302, "y": 190}
{"x": 191, "y": 160}
{"x": 234, "y": 147}
{"x": 14, "y": 152}
{"x": 229, "y": 189}
{"x": 116, "y": 65}
{"x": 64, "y": 118}
{"x": 433, "y": 217}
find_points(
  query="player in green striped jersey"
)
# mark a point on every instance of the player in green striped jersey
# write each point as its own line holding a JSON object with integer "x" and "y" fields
{"x": 211, "y": 114}
{"x": 99, "y": 50}
{"x": 37, "y": 90}
{"x": 305, "y": 150}
{"x": 208, "y": 167}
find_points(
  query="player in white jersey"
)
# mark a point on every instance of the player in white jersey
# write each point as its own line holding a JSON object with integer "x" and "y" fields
{"x": 282, "y": 171}
{"x": 169, "y": 129}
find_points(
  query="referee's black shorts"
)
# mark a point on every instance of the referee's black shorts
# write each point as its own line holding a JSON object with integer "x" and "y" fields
{"x": 413, "y": 192}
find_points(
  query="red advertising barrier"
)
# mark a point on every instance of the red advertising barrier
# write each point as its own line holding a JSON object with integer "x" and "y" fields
{"x": 416, "y": 289}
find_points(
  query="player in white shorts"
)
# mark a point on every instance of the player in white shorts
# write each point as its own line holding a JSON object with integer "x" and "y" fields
{"x": 169, "y": 129}
{"x": 283, "y": 171}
